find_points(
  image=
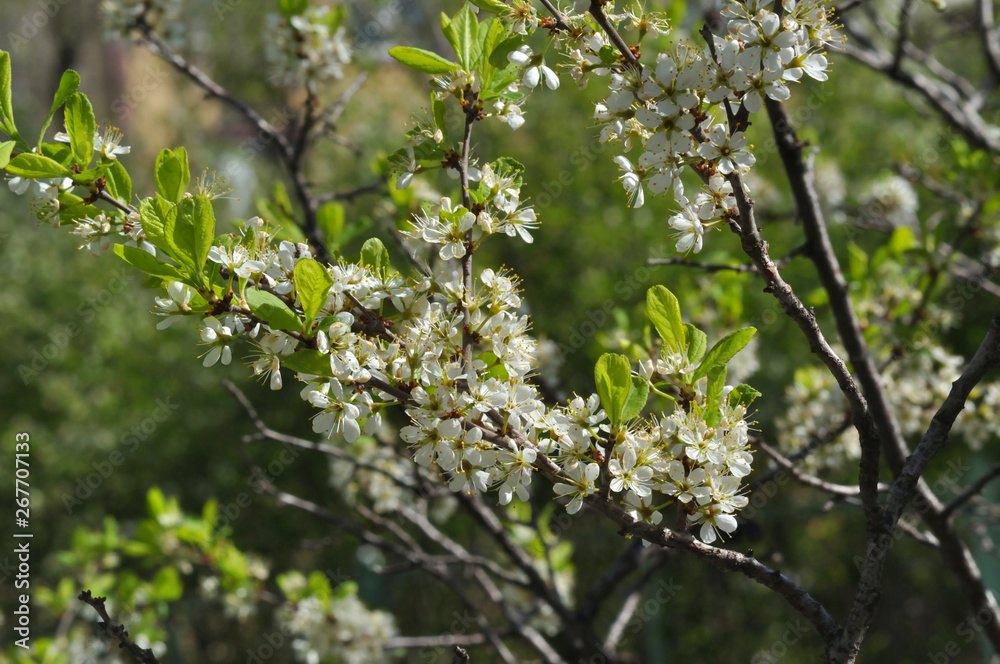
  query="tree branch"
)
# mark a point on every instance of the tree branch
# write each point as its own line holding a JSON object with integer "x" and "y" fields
{"x": 117, "y": 631}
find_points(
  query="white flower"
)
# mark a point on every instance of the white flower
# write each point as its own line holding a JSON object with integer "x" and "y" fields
{"x": 218, "y": 336}
{"x": 627, "y": 477}
{"x": 690, "y": 230}
{"x": 533, "y": 73}
{"x": 238, "y": 262}
{"x": 108, "y": 144}
{"x": 631, "y": 182}
{"x": 730, "y": 152}
{"x": 173, "y": 307}
{"x": 582, "y": 480}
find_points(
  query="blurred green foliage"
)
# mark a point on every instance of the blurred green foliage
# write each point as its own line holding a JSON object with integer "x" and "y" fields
{"x": 114, "y": 406}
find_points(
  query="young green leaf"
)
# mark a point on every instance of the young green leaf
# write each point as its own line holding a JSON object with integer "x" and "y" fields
{"x": 308, "y": 361}
{"x": 290, "y": 8}
{"x": 440, "y": 116}
{"x": 375, "y": 255}
{"x": 742, "y": 395}
{"x": 664, "y": 311}
{"x": 713, "y": 395}
{"x": 81, "y": 127}
{"x": 697, "y": 343}
{"x": 5, "y": 149}
{"x": 68, "y": 84}
{"x": 330, "y": 218}
{"x": 142, "y": 260}
{"x": 637, "y": 397}
{"x": 489, "y": 39}
{"x": 272, "y": 310}
{"x": 613, "y": 377}
{"x": 178, "y": 232}
{"x": 172, "y": 173}
{"x": 462, "y": 32}
{"x": 28, "y": 165}
{"x": 494, "y": 6}
{"x": 725, "y": 350}
{"x": 119, "y": 182}
{"x": 423, "y": 61}
{"x": 312, "y": 283}
{"x": 167, "y": 585}
{"x": 494, "y": 367}
{"x": 6, "y": 108}
{"x": 153, "y": 213}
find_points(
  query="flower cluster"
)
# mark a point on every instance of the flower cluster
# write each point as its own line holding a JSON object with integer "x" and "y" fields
{"x": 122, "y": 16}
{"x": 333, "y": 623}
{"x": 310, "y": 48}
{"x": 671, "y": 108}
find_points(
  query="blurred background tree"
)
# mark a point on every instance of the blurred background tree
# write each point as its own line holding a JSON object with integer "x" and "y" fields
{"x": 88, "y": 375}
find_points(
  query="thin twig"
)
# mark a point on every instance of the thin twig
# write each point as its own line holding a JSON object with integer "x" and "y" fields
{"x": 117, "y": 630}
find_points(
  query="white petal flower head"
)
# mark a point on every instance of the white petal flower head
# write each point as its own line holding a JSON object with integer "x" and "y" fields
{"x": 631, "y": 182}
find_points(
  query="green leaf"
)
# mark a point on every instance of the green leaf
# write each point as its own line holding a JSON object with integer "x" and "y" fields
{"x": 713, "y": 395}
{"x": 308, "y": 361}
{"x": 156, "y": 502}
{"x": 189, "y": 229}
{"x": 173, "y": 175}
{"x": 312, "y": 283}
{"x": 743, "y": 395}
{"x": 5, "y": 149}
{"x": 204, "y": 230}
{"x": 270, "y": 309}
{"x": 440, "y": 116}
{"x": 330, "y": 218}
{"x": 290, "y": 8}
{"x": 68, "y": 84}
{"x": 118, "y": 181}
{"x": 81, "y": 127}
{"x": 149, "y": 264}
{"x": 498, "y": 56}
{"x": 613, "y": 377}
{"x": 494, "y": 6}
{"x": 462, "y": 31}
{"x": 490, "y": 39}
{"x": 637, "y": 397}
{"x": 902, "y": 240}
{"x": 28, "y": 165}
{"x": 697, "y": 343}
{"x": 178, "y": 233}
{"x": 6, "y": 108}
{"x": 725, "y": 350}
{"x": 423, "y": 61}
{"x": 857, "y": 262}
{"x": 494, "y": 367}
{"x": 153, "y": 214}
{"x": 664, "y": 311}
{"x": 167, "y": 585}
{"x": 375, "y": 256}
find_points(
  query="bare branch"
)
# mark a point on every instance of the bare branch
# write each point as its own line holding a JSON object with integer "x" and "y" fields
{"x": 812, "y": 480}
{"x": 970, "y": 492}
{"x": 117, "y": 631}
